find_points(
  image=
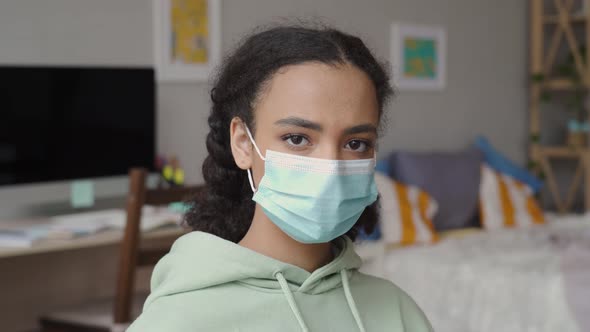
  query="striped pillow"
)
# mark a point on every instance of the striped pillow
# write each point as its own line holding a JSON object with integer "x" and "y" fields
{"x": 506, "y": 202}
{"x": 406, "y": 213}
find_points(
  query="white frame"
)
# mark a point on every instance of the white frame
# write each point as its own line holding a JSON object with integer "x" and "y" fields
{"x": 166, "y": 70}
{"x": 398, "y": 32}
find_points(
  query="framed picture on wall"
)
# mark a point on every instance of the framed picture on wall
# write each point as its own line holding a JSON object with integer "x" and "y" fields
{"x": 418, "y": 56}
{"x": 187, "y": 39}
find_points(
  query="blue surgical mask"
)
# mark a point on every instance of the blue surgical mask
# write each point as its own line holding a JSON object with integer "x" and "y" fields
{"x": 313, "y": 200}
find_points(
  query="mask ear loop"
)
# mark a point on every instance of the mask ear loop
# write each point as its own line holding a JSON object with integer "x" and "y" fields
{"x": 375, "y": 159}
{"x": 251, "y": 181}
{"x": 259, "y": 154}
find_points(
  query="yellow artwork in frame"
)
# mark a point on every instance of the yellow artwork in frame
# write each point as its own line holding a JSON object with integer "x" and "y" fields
{"x": 190, "y": 31}
{"x": 187, "y": 39}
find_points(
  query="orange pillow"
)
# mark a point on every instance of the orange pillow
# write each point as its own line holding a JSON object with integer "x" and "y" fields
{"x": 406, "y": 213}
{"x": 506, "y": 202}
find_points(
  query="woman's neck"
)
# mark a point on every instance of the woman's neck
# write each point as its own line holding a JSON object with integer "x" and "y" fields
{"x": 266, "y": 238}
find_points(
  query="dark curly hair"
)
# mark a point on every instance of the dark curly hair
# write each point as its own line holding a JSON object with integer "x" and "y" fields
{"x": 226, "y": 208}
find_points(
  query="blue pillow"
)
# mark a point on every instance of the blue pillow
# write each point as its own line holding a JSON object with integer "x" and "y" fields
{"x": 383, "y": 167}
{"x": 374, "y": 236}
{"x": 500, "y": 163}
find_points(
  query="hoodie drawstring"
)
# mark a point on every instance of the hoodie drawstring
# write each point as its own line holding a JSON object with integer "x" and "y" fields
{"x": 291, "y": 300}
{"x": 350, "y": 300}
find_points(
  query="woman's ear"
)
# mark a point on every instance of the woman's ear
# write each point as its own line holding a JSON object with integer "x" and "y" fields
{"x": 241, "y": 147}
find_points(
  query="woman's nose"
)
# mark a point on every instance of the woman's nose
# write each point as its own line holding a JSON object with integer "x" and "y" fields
{"x": 329, "y": 151}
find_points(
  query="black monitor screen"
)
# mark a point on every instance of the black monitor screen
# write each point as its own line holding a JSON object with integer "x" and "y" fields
{"x": 60, "y": 123}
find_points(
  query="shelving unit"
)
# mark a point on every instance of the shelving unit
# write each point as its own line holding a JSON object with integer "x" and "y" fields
{"x": 542, "y": 61}
{"x": 554, "y": 19}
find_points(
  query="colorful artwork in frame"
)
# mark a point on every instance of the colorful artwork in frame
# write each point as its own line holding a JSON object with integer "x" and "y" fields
{"x": 187, "y": 43}
{"x": 418, "y": 55}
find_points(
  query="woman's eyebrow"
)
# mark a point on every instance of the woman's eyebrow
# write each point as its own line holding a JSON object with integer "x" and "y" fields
{"x": 364, "y": 128}
{"x": 299, "y": 122}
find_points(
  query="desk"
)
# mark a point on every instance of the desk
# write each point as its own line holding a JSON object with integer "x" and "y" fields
{"x": 64, "y": 273}
{"x": 103, "y": 238}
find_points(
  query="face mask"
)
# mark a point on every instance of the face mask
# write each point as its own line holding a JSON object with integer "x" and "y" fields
{"x": 313, "y": 200}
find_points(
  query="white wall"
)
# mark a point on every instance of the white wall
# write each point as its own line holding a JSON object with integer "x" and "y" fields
{"x": 486, "y": 90}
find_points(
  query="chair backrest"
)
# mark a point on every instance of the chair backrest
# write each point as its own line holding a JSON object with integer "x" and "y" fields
{"x": 131, "y": 255}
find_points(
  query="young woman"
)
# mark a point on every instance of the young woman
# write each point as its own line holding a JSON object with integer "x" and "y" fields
{"x": 293, "y": 130}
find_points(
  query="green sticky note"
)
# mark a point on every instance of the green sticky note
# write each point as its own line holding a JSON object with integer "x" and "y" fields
{"x": 179, "y": 207}
{"x": 82, "y": 194}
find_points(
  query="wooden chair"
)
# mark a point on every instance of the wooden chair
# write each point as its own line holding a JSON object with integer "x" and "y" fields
{"x": 116, "y": 314}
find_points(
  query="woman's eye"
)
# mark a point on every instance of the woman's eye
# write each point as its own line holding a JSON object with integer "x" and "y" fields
{"x": 357, "y": 145}
{"x": 296, "y": 140}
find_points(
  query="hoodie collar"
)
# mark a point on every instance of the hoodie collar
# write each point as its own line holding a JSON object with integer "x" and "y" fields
{"x": 321, "y": 280}
{"x": 200, "y": 260}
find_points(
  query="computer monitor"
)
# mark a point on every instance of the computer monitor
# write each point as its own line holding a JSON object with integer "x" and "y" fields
{"x": 63, "y": 123}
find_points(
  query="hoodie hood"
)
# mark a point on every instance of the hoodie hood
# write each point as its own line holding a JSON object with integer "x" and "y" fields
{"x": 200, "y": 260}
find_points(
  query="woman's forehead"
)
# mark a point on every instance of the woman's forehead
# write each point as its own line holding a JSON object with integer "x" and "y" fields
{"x": 320, "y": 93}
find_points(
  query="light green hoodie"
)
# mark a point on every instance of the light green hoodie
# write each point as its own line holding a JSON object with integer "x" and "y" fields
{"x": 206, "y": 283}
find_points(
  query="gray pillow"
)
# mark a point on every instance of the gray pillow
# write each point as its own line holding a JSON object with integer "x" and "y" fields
{"x": 451, "y": 178}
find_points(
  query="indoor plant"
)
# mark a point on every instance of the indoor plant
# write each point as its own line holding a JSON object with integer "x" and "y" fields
{"x": 576, "y": 101}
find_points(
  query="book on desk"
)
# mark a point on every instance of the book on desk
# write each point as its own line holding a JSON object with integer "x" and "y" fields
{"x": 26, "y": 233}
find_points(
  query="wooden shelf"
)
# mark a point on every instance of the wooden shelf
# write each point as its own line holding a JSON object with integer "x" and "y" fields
{"x": 581, "y": 178}
{"x": 545, "y": 46}
{"x": 561, "y": 84}
{"x": 563, "y": 151}
{"x": 574, "y": 18}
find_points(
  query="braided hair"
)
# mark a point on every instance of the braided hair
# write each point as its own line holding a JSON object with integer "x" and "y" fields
{"x": 226, "y": 208}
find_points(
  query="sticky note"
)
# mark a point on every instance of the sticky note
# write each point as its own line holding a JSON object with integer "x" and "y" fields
{"x": 82, "y": 193}
{"x": 179, "y": 207}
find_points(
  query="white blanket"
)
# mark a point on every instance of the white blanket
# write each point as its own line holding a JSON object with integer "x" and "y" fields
{"x": 531, "y": 280}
